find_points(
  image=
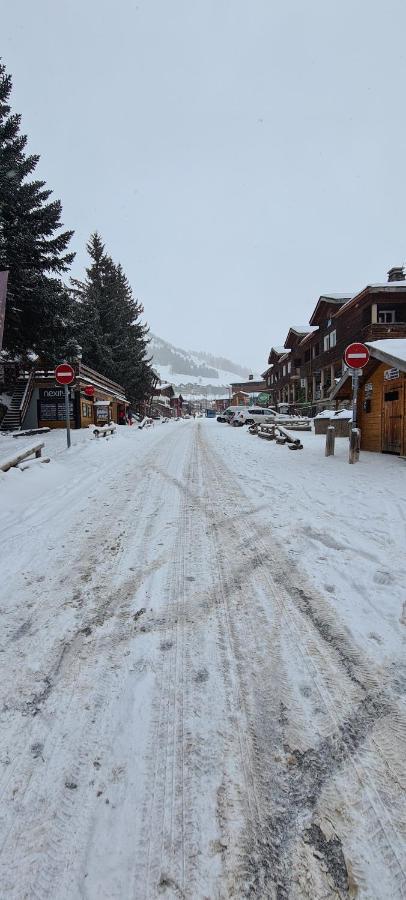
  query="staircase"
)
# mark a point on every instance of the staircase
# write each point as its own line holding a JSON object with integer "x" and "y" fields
{"x": 12, "y": 420}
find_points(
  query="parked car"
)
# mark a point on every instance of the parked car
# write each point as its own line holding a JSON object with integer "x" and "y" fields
{"x": 253, "y": 415}
{"x": 260, "y": 415}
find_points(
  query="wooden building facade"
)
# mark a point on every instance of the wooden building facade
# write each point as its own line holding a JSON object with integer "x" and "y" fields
{"x": 382, "y": 398}
{"x": 306, "y": 370}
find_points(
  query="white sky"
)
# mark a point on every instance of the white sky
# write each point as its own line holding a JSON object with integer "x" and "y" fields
{"x": 239, "y": 157}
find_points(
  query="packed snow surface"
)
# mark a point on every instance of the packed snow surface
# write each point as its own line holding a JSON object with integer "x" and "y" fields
{"x": 202, "y": 669}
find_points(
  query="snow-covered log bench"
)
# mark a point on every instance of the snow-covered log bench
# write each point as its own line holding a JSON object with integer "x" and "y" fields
{"x": 103, "y": 430}
{"x": 35, "y": 450}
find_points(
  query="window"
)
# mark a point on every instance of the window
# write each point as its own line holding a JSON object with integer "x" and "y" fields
{"x": 284, "y": 370}
{"x": 307, "y": 356}
{"x": 330, "y": 340}
{"x": 87, "y": 411}
{"x": 289, "y": 367}
{"x": 387, "y": 316}
{"x": 316, "y": 350}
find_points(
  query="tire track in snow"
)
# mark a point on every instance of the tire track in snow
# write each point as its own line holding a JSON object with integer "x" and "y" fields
{"x": 48, "y": 834}
{"x": 353, "y": 732}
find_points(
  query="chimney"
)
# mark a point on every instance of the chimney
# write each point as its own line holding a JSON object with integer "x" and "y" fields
{"x": 250, "y": 378}
{"x": 396, "y": 274}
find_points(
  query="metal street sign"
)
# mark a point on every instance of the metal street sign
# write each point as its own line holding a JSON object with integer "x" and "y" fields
{"x": 89, "y": 390}
{"x": 64, "y": 374}
{"x": 356, "y": 356}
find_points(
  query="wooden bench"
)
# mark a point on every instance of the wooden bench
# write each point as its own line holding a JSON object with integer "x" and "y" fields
{"x": 36, "y": 450}
{"x": 103, "y": 430}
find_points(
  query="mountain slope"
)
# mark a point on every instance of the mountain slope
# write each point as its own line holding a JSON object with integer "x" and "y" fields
{"x": 194, "y": 371}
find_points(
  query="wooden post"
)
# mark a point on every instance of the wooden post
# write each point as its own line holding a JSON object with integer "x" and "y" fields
{"x": 330, "y": 440}
{"x": 355, "y": 442}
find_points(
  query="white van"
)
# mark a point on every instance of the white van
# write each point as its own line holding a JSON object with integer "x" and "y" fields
{"x": 228, "y": 413}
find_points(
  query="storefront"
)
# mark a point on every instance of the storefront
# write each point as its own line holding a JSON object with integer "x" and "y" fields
{"x": 93, "y": 400}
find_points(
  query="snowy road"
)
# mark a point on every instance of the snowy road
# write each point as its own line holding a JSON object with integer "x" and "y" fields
{"x": 184, "y": 712}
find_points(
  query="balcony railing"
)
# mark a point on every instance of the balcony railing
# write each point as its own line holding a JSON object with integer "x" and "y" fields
{"x": 375, "y": 331}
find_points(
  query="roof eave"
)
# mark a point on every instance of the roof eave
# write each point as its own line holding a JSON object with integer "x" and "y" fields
{"x": 385, "y": 357}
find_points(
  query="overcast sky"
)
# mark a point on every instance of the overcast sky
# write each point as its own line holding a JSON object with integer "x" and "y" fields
{"x": 239, "y": 157}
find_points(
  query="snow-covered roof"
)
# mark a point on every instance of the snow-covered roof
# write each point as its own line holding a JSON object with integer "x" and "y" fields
{"x": 346, "y": 296}
{"x": 389, "y": 286}
{"x": 390, "y": 350}
{"x": 301, "y": 329}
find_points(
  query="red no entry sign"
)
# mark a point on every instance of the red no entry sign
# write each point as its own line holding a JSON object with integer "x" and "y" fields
{"x": 64, "y": 374}
{"x": 356, "y": 356}
{"x": 89, "y": 390}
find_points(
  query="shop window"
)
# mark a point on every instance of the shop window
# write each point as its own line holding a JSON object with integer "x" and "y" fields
{"x": 390, "y": 396}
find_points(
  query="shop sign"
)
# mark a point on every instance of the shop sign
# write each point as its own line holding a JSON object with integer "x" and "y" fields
{"x": 368, "y": 388}
{"x": 54, "y": 394}
{"x": 263, "y": 398}
{"x": 391, "y": 374}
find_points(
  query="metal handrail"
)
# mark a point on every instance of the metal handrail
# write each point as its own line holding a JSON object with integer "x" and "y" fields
{"x": 27, "y": 395}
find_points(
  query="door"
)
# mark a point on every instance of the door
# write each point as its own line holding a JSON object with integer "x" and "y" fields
{"x": 392, "y": 416}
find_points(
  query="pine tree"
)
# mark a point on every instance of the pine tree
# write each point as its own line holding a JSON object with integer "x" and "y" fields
{"x": 114, "y": 340}
{"x": 32, "y": 246}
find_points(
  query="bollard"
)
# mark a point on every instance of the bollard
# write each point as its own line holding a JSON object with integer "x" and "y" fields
{"x": 330, "y": 440}
{"x": 355, "y": 442}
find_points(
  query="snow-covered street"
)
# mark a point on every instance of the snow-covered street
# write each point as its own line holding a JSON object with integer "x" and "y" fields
{"x": 202, "y": 669}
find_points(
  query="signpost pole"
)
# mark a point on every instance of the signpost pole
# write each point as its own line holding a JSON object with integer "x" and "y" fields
{"x": 65, "y": 374}
{"x": 356, "y": 356}
{"x": 355, "y": 375}
{"x": 67, "y": 415}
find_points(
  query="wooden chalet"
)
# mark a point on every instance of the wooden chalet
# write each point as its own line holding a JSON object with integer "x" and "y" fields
{"x": 306, "y": 370}
{"x": 161, "y": 403}
{"x": 382, "y": 397}
{"x": 177, "y": 402}
{"x": 252, "y": 387}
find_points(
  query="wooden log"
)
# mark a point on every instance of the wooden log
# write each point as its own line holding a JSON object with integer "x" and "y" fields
{"x": 265, "y": 436}
{"x": 281, "y": 440}
{"x": 295, "y": 446}
{"x": 287, "y": 436}
{"x": 355, "y": 443}
{"x": 103, "y": 431}
{"x": 15, "y": 460}
{"x": 330, "y": 440}
{"x": 30, "y": 431}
